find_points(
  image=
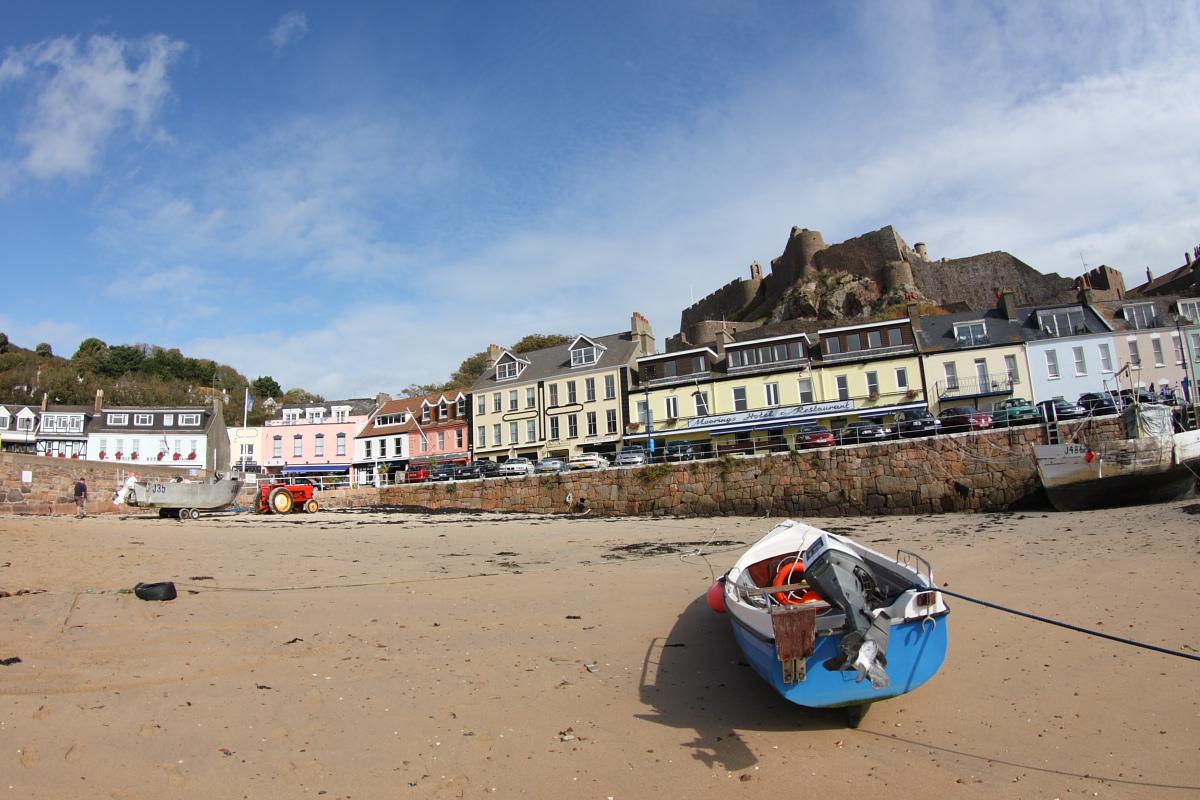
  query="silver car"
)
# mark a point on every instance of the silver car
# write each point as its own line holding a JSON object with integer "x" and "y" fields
{"x": 631, "y": 455}
{"x": 517, "y": 466}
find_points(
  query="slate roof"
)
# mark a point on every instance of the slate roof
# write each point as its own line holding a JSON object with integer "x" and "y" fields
{"x": 413, "y": 406}
{"x": 359, "y": 406}
{"x": 1165, "y": 309}
{"x": 555, "y": 362}
{"x": 99, "y": 423}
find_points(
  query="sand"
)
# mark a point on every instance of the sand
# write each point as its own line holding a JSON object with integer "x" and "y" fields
{"x": 370, "y": 655}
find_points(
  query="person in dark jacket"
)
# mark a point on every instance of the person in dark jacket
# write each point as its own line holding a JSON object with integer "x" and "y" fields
{"x": 81, "y": 497}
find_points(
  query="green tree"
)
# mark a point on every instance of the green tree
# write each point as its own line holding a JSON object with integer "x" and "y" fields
{"x": 266, "y": 386}
{"x": 125, "y": 358}
{"x": 422, "y": 389}
{"x": 299, "y": 395}
{"x": 91, "y": 357}
{"x": 3, "y": 343}
{"x": 468, "y": 372}
{"x": 44, "y": 350}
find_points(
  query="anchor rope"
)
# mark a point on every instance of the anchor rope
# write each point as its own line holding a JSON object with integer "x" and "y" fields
{"x": 1066, "y": 625}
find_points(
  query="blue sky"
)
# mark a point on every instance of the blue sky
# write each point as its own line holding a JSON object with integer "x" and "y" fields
{"x": 354, "y": 197}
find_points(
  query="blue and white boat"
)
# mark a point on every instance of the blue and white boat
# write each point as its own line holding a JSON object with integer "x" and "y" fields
{"x": 830, "y": 623}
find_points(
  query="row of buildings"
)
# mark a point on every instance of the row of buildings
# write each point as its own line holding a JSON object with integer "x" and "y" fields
{"x": 745, "y": 389}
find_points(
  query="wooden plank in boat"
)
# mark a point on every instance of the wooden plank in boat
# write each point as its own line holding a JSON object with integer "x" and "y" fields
{"x": 795, "y": 629}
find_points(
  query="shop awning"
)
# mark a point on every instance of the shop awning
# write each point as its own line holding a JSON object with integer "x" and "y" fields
{"x": 299, "y": 469}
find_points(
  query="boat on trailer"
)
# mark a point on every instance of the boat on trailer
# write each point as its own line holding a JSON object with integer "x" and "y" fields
{"x": 830, "y": 623}
{"x": 178, "y": 498}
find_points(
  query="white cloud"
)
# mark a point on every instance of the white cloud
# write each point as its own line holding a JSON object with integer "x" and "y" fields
{"x": 80, "y": 98}
{"x": 291, "y": 28}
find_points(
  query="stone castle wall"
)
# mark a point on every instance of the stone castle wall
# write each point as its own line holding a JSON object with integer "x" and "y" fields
{"x": 725, "y": 303}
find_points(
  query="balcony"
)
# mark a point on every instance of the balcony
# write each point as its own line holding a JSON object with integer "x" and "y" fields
{"x": 863, "y": 355}
{"x": 677, "y": 380}
{"x": 797, "y": 364}
{"x": 975, "y": 386}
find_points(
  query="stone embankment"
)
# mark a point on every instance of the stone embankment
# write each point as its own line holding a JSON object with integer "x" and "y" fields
{"x": 962, "y": 472}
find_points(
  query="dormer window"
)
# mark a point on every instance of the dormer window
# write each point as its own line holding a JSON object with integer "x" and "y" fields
{"x": 5, "y": 419}
{"x": 443, "y": 410}
{"x": 144, "y": 420}
{"x": 969, "y": 334}
{"x": 507, "y": 369}
{"x": 118, "y": 419}
{"x": 424, "y": 413}
{"x": 291, "y": 415}
{"x": 1063, "y": 322}
{"x": 583, "y": 356}
{"x": 1191, "y": 310}
{"x": 1141, "y": 316}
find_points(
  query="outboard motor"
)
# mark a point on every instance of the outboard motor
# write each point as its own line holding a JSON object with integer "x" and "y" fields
{"x": 844, "y": 580}
{"x": 126, "y": 494}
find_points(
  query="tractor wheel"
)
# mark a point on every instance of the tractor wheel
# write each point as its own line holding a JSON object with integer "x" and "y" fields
{"x": 311, "y": 506}
{"x": 281, "y": 501}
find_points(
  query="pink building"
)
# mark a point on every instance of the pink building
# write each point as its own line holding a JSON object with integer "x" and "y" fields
{"x": 315, "y": 439}
{"x": 412, "y": 430}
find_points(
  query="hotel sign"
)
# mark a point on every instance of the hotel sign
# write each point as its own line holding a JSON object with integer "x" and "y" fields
{"x": 783, "y": 415}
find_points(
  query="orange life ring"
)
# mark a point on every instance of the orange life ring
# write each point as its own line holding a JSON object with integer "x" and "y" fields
{"x": 782, "y": 577}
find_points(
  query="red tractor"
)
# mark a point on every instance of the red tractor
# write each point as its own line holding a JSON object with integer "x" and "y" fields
{"x": 284, "y": 498}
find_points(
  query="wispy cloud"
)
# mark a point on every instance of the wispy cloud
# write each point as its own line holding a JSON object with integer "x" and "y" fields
{"x": 80, "y": 97}
{"x": 291, "y": 28}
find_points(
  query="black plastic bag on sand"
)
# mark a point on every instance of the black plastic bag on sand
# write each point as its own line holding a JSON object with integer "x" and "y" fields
{"x": 156, "y": 591}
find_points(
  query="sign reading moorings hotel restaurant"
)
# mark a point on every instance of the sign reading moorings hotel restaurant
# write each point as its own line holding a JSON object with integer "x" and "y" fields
{"x": 783, "y": 414}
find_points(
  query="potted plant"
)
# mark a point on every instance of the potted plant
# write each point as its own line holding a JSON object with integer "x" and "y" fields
{"x": 177, "y": 456}
{"x": 633, "y": 426}
{"x": 191, "y": 455}
{"x": 62, "y": 455}
{"x": 911, "y": 394}
{"x": 103, "y": 455}
{"x": 133, "y": 456}
{"x": 118, "y": 455}
{"x": 874, "y": 395}
{"x": 161, "y": 455}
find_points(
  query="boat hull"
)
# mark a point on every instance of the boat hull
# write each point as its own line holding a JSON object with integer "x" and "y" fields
{"x": 915, "y": 654}
{"x": 171, "y": 494}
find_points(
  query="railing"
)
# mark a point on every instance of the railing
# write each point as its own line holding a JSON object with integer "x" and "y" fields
{"x": 975, "y": 386}
{"x": 769, "y": 366}
{"x": 322, "y": 421}
{"x": 872, "y": 352}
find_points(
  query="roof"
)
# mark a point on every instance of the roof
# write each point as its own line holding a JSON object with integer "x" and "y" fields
{"x": 359, "y": 406}
{"x": 1165, "y": 310}
{"x": 937, "y": 332}
{"x": 413, "y": 406}
{"x": 99, "y": 423}
{"x": 616, "y": 350}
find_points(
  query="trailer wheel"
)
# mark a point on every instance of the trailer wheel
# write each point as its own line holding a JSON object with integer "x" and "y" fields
{"x": 281, "y": 501}
{"x": 311, "y": 506}
{"x": 194, "y": 513}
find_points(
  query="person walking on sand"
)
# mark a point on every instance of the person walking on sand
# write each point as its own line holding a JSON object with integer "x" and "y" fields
{"x": 81, "y": 497}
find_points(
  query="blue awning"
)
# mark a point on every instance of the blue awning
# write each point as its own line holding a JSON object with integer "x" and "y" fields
{"x": 304, "y": 468}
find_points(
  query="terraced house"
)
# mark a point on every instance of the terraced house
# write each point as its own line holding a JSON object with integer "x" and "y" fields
{"x": 559, "y": 401}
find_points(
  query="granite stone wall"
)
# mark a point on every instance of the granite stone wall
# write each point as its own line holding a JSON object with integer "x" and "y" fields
{"x": 51, "y": 488}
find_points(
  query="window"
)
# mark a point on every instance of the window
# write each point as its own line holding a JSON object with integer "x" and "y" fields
{"x": 424, "y": 413}
{"x": 981, "y": 373}
{"x": 853, "y": 343}
{"x": 531, "y": 430}
{"x": 458, "y": 437}
{"x": 1196, "y": 346}
{"x": 1135, "y": 357}
{"x": 739, "y": 398}
{"x": 506, "y": 370}
{"x": 572, "y": 426}
{"x": 341, "y": 415}
{"x": 143, "y": 419}
{"x": 1052, "y": 364}
{"x": 833, "y": 345}
{"x": 589, "y": 390}
{"x": 555, "y": 434}
{"x": 289, "y": 415}
{"x": 1178, "y": 342}
{"x": 512, "y": 433}
{"x": 443, "y": 410}
{"x": 1010, "y": 367}
{"x": 441, "y": 441}
{"x": 1080, "y": 362}
{"x": 1157, "y": 348}
{"x": 383, "y": 448}
{"x": 843, "y": 387}
{"x": 530, "y": 397}
{"x": 367, "y": 448}
{"x": 670, "y": 369}
{"x": 610, "y": 420}
{"x": 1190, "y": 309}
{"x": 582, "y": 356}
{"x": 118, "y": 419}
{"x": 735, "y": 358}
{"x": 341, "y": 444}
{"x": 610, "y": 387}
{"x": 481, "y": 436}
{"x": 873, "y": 384}
{"x": 481, "y": 405}
{"x": 764, "y": 355}
{"x": 951, "y": 370}
{"x": 874, "y": 339}
{"x": 6, "y": 420}
{"x": 192, "y": 420}
{"x": 513, "y": 402}
{"x": 642, "y": 415}
{"x": 498, "y": 440}
{"x": 701, "y": 404}
{"x": 902, "y": 379}
{"x": 191, "y": 442}
{"x": 1063, "y": 322}
{"x": 592, "y": 425}
{"x": 398, "y": 446}
{"x": 1105, "y": 358}
{"x": 497, "y": 403}
{"x": 1141, "y": 316}
{"x": 781, "y": 352}
{"x": 970, "y": 334}
{"x": 571, "y": 397}
{"x": 121, "y": 445}
{"x": 698, "y": 364}
{"x": 424, "y": 443}
{"x": 277, "y": 452}
{"x": 297, "y": 446}
{"x": 462, "y": 407}
{"x": 319, "y": 446}
{"x": 168, "y": 420}
{"x": 553, "y": 395}
{"x": 672, "y": 407}
{"x": 772, "y": 394}
{"x": 806, "y": 390}
{"x": 895, "y": 337}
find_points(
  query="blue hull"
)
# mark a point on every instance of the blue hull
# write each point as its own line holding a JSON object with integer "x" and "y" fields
{"x": 914, "y": 656}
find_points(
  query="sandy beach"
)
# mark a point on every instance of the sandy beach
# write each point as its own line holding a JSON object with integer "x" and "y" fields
{"x": 374, "y": 654}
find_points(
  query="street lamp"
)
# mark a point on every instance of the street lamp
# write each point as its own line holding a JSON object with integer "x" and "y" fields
{"x": 649, "y": 428}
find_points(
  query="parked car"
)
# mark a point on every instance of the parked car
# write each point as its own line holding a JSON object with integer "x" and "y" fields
{"x": 964, "y": 418}
{"x": 588, "y": 461}
{"x": 1015, "y": 411}
{"x": 1100, "y": 403}
{"x": 916, "y": 422}
{"x": 861, "y": 431}
{"x": 814, "y": 436}
{"x": 416, "y": 473}
{"x": 631, "y": 455}
{"x": 479, "y": 469}
{"x": 443, "y": 472}
{"x": 1061, "y": 409}
{"x": 551, "y": 465}
{"x": 1139, "y": 396}
{"x": 516, "y": 466}
{"x": 679, "y": 451}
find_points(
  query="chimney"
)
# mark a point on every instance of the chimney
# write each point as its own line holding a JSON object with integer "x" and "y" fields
{"x": 45, "y": 398}
{"x": 494, "y": 351}
{"x": 381, "y": 398}
{"x": 914, "y": 318}
{"x": 1149, "y": 276}
{"x": 99, "y": 401}
{"x": 724, "y": 337}
{"x": 1008, "y": 304}
{"x": 643, "y": 334}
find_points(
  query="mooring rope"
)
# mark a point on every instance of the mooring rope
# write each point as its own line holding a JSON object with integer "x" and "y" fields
{"x": 1065, "y": 625}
